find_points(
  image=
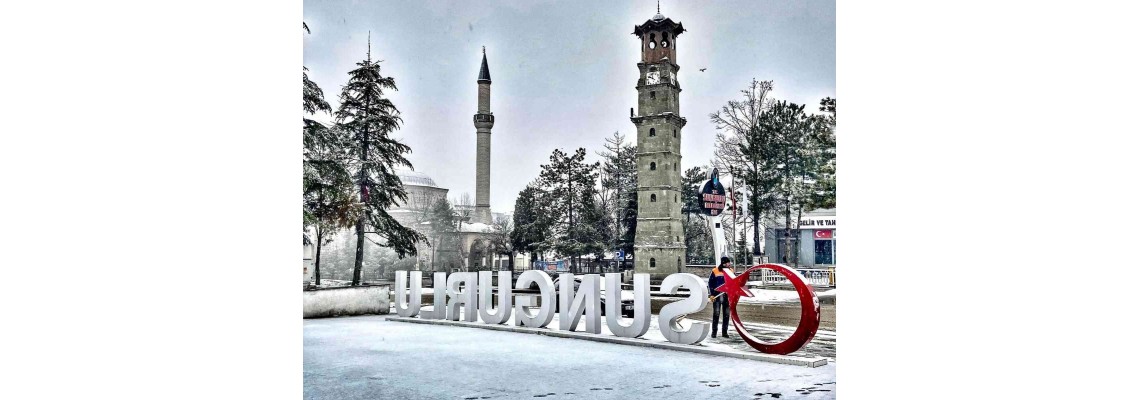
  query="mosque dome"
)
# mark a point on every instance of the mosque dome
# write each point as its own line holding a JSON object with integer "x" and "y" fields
{"x": 413, "y": 178}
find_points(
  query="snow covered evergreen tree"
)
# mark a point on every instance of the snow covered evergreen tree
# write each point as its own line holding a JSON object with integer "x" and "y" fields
{"x": 442, "y": 218}
{"x": 368, "y": 118}
{"x": 619, "y": 178}
{"x": 570, "y": 183}
{"x": 823, "y": 195}
{"x": 327, "y": 201}
{"x": 691, "y": 183}
{"x": 531, "y": 220}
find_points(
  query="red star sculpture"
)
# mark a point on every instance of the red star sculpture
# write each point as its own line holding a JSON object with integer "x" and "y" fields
{"x": 734, "y": 286}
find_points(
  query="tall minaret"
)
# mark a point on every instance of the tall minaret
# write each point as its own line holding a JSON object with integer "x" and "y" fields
{"x": 659, "y": 241}
{"x": 484, "y": 120}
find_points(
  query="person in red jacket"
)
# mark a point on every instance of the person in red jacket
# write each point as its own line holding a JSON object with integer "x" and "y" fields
{"x": 719, "y": 299}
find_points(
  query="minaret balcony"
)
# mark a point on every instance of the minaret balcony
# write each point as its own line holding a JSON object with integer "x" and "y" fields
{"x": 484, "y": 120}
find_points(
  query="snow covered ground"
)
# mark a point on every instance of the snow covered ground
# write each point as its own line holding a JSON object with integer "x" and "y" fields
{"x": 368, "y": 357}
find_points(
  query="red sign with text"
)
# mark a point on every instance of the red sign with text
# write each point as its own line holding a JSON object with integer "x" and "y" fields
{"x": 823, "y": 234}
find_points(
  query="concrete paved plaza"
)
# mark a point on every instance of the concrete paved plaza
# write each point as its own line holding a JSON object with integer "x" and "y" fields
{"x": 368, "y": 357}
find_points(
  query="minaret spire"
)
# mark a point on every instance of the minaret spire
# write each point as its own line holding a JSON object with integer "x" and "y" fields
{"x": 484, "y": 72}
{"x": 369, "y": 46}
{"x": 658, "y": 6}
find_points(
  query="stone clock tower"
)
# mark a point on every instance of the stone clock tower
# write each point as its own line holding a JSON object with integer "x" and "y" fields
{"x": 484, "y": 120}
{"x": 659, "y": 242}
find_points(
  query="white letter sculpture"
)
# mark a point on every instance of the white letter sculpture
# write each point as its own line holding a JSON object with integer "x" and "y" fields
{"x": 488, "y": 313}
{"x": 439, "y": 297}
{"x": 672, "y": 312}
{"x": 641, "y": 309}
{"x": 569, "y": 312}
{"x": 546, "y": 292}
{"x": 469, "y": 298}
{"x": 409, "y": 306}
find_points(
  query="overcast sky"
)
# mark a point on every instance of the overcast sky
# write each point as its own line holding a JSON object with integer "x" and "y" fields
{"x": 563, "y": 73}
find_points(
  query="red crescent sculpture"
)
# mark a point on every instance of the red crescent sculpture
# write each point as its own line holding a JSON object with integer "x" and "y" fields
{"x": 734, "y": 288}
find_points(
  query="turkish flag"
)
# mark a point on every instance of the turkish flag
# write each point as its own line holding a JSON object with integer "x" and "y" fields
{"x": 823, "y": 234}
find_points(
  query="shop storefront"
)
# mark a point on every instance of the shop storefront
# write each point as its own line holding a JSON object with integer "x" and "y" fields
{"x": 810, "y": 244}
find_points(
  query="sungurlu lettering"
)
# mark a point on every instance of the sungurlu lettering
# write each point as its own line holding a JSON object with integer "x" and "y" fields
{"x": 576, "y": 304}
{"x": 474, "y": 292}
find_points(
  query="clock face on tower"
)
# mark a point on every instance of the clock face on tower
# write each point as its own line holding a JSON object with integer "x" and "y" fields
{"x": 653, "y": 78}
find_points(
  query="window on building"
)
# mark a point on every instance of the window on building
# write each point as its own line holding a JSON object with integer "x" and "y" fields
{"x": 652, "y": 263}
{"x": 824, "y": 251}
{"x": 652, "y": 198}
{"x": 653, "y": 94}
{"x": 678, "y": 263}
{"x": 652, "y": 166}
{"x": 652, "y": 132}
{"x": 674, "y": 133}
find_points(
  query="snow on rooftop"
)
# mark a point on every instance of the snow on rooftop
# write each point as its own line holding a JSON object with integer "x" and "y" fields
{"x": 475, "y": 227}
{"x": 414, "y": 178}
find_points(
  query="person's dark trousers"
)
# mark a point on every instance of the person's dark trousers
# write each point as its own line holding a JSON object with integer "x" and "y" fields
{"x": 720, "y": 313}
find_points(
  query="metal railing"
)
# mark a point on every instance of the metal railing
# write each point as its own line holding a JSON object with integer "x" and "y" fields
{"x": 819, "y": 277}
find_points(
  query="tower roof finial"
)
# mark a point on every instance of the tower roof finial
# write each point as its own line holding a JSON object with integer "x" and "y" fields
{"x": 658, "y": 6}
{"x": 370, "y": 45}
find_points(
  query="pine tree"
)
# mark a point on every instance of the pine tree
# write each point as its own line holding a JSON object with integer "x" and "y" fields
{"x": 368, "y": 117}
{"x": 823, "y": 193}
{"x": 692, "y": 180}
{"x": 593, "y": 230}
{"x": 699, "y": 242}
{"x": 501, "y": 229}
{"x": 619, "y": 178}
{"x": 327, "y": 202}
{"x": 531, "y": 220}
{"x": 698, "y": 238}
{"x": 803, "y": 156}
{"x": 570, "y": 181}
{"x": 442, "y": 219}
